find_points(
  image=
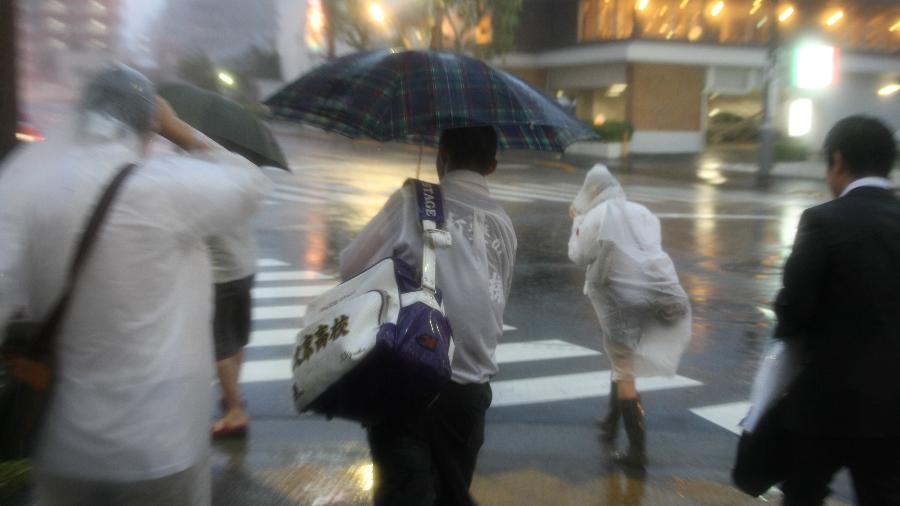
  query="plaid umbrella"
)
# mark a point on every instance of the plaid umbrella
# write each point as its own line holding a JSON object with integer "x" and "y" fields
{"x": 411, "y": 96}
{"x": 226, "y": 122}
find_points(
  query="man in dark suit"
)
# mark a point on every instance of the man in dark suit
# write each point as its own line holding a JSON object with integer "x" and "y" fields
{"x": 840, "y": 309}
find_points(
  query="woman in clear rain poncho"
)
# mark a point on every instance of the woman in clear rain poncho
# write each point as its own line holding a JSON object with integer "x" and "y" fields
{"x": 644, "y": 314}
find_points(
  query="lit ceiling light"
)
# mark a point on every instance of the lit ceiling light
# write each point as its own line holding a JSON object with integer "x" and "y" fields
{"x": 715, "y": 112}
{"x": 756, "y": 7}
{"x": 762, "y": 22}
{"x": 837, "y": 16}
{"x": 377, "y": 13}
{"x": 642, "y": 4}
{"x": 896, "y": 27}
{"x": 717, "y": 9}
{"x": 786, "y": 14}
{"x": 616, "y": 89}
{"x": 889, "y": 90}
{"x": 683, "y": 4}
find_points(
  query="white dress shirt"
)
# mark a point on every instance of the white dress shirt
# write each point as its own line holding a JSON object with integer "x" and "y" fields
{"x": 132, "y": 393}
{"x": 873, "y": 181}
{"x": 474, "y": 274}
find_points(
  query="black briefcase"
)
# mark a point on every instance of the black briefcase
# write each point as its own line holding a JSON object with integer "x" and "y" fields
{"x": 763, "y": 456}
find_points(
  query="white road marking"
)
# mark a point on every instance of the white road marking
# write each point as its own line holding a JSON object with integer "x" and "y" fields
{"x": 279, "y": 369}
{"x": 286, "y": 292}
{"x": 705, "y": 216}
{"x": 567, "y": 387}
{"x": 271, "y": 262}
{"x": 728, "y": 416}
{"x": 292, "y": 276}
{"x": 278, "y": 312}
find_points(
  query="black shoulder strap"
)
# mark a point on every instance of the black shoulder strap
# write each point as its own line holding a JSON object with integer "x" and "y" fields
{"x": 53, "y": 320}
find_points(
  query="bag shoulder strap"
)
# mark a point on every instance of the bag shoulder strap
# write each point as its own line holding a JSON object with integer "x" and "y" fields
{"x": 430, "y": 201}
{"x": 52, "y": 322}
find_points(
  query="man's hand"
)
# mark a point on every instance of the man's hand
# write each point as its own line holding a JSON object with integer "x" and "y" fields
{"x": 175, "y": 130}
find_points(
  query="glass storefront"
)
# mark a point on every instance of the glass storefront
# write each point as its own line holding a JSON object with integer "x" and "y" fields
{"x": 867, "y": 26}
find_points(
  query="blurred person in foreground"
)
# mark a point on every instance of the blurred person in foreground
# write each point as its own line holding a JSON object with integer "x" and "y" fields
{"x": 128, "y": 423}
{"x": 429, "y": 458}
{"x": 644, "y": 313}
{"x": 840, "y": 309}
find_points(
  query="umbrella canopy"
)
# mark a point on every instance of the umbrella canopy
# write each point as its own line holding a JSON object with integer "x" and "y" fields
{"x": 226, "y": 122}
{"x": 412, "y": 96}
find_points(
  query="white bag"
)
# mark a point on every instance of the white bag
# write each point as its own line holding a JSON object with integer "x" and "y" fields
{"x": 379, "y": 342}
{"x": 777, "y": 369}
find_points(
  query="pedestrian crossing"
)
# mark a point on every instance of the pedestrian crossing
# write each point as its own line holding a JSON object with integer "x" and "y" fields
{"x": 282, "y": 293}
{"x": 324, "y": 186}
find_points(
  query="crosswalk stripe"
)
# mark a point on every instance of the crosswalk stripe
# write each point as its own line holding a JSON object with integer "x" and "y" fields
{"x": 283, "y": 292}
{"x": 504, "y": 198}
{"x": 295, "y": 198}
{"x": 286, "y": 337}
{"x": 549, "y": 349}
{"x": 499, "y": 192}
{"x": 279, "y": 369}
{"x": 277, "y": 337}
{"x": 292, "y": 276}
{"x": 728, "y": 416}
{"x": 567, "y": 387}
{"x": 271, "y": 262}
{"x": 278, "y": 312}
{"x": 549, "y": 191}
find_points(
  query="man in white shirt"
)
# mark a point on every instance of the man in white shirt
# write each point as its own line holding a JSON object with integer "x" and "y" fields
{"x": 128, "y": 423}
{"x": 430, "y": 458}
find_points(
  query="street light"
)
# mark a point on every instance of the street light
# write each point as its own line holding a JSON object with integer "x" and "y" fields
{"x": 226, "y": 78}
{"x": 377, "y": 13}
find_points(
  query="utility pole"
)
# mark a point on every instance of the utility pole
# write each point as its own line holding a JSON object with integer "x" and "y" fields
{"x": 437, "y": 30}
{"x": 771, "y": 85}
{"x": 8, "y": 103}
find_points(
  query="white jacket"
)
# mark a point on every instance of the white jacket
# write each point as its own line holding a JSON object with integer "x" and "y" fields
{"x": 132, "y": 398}
{"x": 628, "y": 273}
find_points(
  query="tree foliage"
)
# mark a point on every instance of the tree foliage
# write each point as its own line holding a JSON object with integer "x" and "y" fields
{"x": 198, "y": 70}
{"x": 480, "y": 27}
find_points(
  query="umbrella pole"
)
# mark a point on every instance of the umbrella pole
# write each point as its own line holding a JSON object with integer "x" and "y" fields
{"x": 419, "y": 167}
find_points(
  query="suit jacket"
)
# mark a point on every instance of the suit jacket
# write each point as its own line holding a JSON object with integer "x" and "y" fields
{"x": 840, "y": 306}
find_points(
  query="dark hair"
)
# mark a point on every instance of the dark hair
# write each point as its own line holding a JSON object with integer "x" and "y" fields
{"x": 123, "y": 94}
{"x": 866, "y": 144}
{"x": 473, "y": 148}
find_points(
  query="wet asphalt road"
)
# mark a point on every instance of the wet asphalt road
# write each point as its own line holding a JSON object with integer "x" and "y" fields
{"x": 728, "y": 241}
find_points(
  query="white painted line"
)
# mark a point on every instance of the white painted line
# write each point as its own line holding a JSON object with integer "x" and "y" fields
{"x": 567, "y": 387}
{"x": 768, "y": 313}
{"x": 704, "y": 216}
{"x": 280, "y": 369}
{"x": 508, "y": 353}
{"x": 278, "y": 312}
{"x": 292, "y": 276}
{"x": 293, "y": 198}
{"x": 551, "y": 190}
{"x": 501, "y": 198}
{"x": 277, "y": 337}
{"x": 271, "y": 262}
{"x": 508, "y": 328}
{"x": 256, "y": 371}
{"x": 509, "y": 192}
{"x": 728, "y": 416}
{"x": 286, "y": 292}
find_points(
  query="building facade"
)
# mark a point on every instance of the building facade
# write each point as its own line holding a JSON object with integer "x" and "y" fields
{"x": 674, "y": 68}
{"x": 61, "y": 40}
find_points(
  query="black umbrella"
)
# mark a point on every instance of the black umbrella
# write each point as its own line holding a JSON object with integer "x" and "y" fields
{"x": 226, "y": 122}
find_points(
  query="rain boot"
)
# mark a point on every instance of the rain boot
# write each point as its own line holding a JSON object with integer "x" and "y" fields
{"x": 633, "y": 416}
{"x": 609, "y": 425}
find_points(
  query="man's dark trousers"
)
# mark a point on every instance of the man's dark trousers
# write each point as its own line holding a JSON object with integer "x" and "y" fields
{"x": 874, "y": 465}
{"x": 429, "y": 459}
